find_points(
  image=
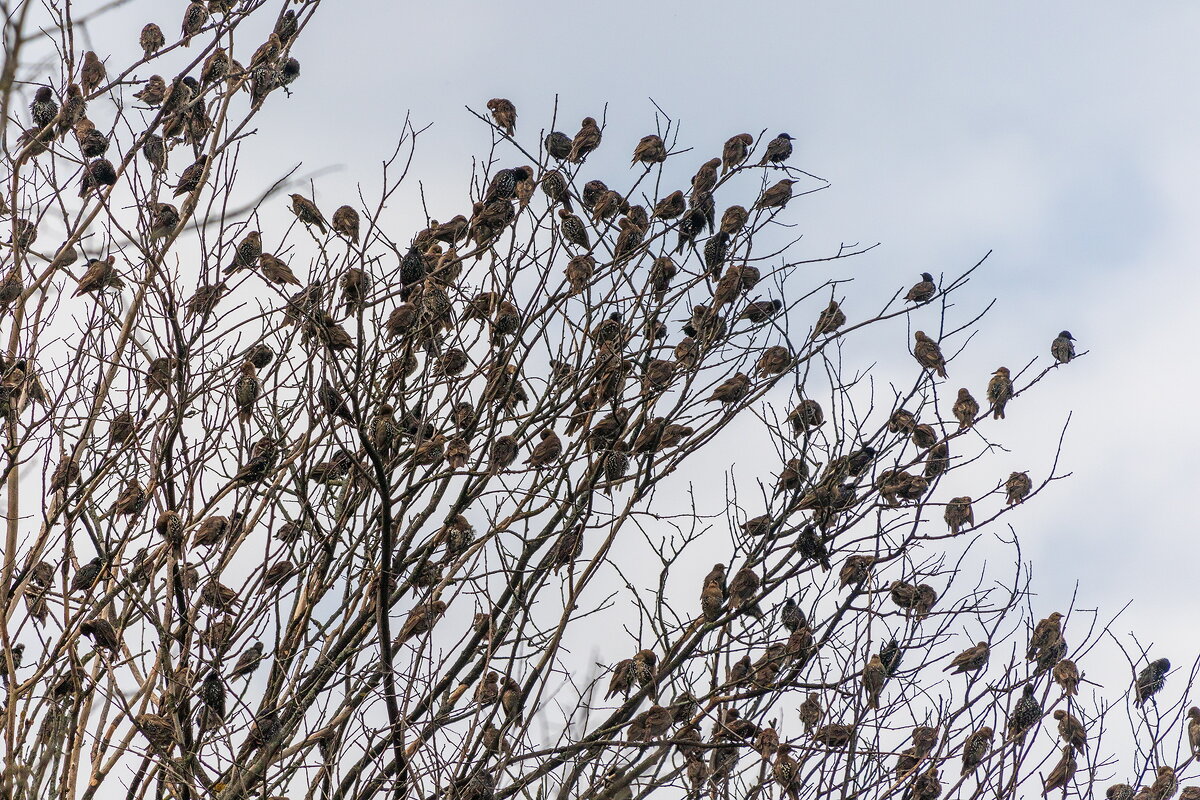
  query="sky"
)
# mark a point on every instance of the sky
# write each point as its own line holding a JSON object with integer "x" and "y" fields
{"x": 1061, "y": 138}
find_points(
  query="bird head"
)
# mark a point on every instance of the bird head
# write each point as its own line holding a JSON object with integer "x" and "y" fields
{"x": 1066, "y": 335}
{"x": 1060, "y": 714}
{"x": 925, "y": 276}
{"x": 1002, "y": 371}
{"x": 784, "y": 136}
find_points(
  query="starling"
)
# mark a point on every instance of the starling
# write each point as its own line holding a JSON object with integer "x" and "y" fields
{"x": 670, "y": 206}
{"x": 856, "y": 570}
{"x": 587, "y": 140}
{"x": 96, "y": 174}
{"x": 102, "y": 634}
{"x": 212, "y": 694}
{"x": 276, "y": 270}
{"x": 87, "y": 575}
{"x": 776, "y": 196}
{"x": 73, "y": 109}
{"x": 1165, "y": 785}
{"x": 248, "y": 662}
{"x": 928, "y": 354}
{"x": 673, "y": 434}
{"x": 873, "y": 678}
{"x": 923, "y": 290}
{"x": 216, "y": 67}
{"x": 1024, "y": 715}
{"x": 571, "y": 228}
{"x": 1066, "y": 675}
{"x": 650, "y": 150}
{"x": 890, "y": 655}
{"x": 830, "y": 320}
{"x": 806, "y": 416}
{"x": 307, "y": 212}
{"x": 833, "y": 735}
{"x": 246, "y": 391}
{"x": 579, "y": 272}
{"x": 510, "y": 697}
{"x": 131, "y": 501}
{"x": 732, "y": 390}
{"x": 558, "y": 145}
{"x": 151, "y": 39}
{"x": 775, "y": 360}
{"x": 1062, "y": 772}
{"x": 1150, "y": 680}
{"x": 121, "y": 429}
{"x": 786, "y": 772}
{"x": 778, "y": 150}
{"x": 1046, "y": 634}
{"x": 169, "y": 526}
{"x": 734, "y": 219}
{"x": 92, "y": 143}
{"x": 712, "y": 596}
{"x": 975, "y": 748}
{"x": 44, "y": 108}
{"x": 938, "y": 461}
{"x": 1119, "y": 791}
{"x": 194, "y": 19}
{"x": 547, "y": 451}
{"x": 1017, "y": 487}
{"x": 972, "y": 659}
{"x": 760, "y": 311}
{"x": 91, "y": 73}
{"x": 504, "y": 113}
{"x": 716, "y": 249}
{"x": 999, "y": 392}
{"x": 1071, "y": 730}
{"x": 158, "y": 730}
{"x": 743, "y": 589}
{"x": 966, "y": 409}
{"x": 554, "y": 185}
{"x": 811, "y": 712}
{"x": 153, "y": 92}
{"x": 959, "y": 514}
{"x": 1062, "y": 348}
{"x": 735, "y": 151}
{"x": 190, "y": 179}
{"x": 705, "y": 179}
{"x": 791, "y": 478}
{"x": 211, "y": 532}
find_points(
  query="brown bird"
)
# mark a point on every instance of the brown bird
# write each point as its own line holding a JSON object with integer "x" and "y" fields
{"x": 923, "y": 290}
{"x": 670, "y": 206}
{"x": 421, "y": 620}
{"x": 1071, "y": 730}
{"x": 504, "y": 113}
{"x": 307, "y": 212}
{"x": 101, "y": 274}
{"x": 735, "y": 151}
{"x": 1017, "y": 487}
{"x": 151, "y": 39}
{"x": 164, "y": 217}
{"x": 733, "y": 390}
{"x": 1165, "y": 785}
{"x": 246, "y": 391}
{"x": 999, "y": 392}
{"x": 1062, "y": 348}
{"x": 211, "y": 532}
{"x": 169, "y": 526}
{"x": 91, "y": 73}
{"x": 874, "y": 676}
{"x": 579, "y": 272}
{"x": 975, "y": 748}
{"x": 276, "y": 270}
{"x": 811, "y": 711}
{"x": 547, "y": 451}
{"x": 924, "y": 436}
{"x": 1046, "y": 634}
{"x": 356, "y": 285}
{"x": 152, "y": 92}
{"x": 705, "y": 179}
{"x": 488, "y": 690}
{"x": 92, "y": 143}
{"x": 650, "y": 150}
{"x": 1062, "y": 772}
{"x": 760, "y": 311}
{"x": 928, "y": 354}
{"x": 193, "y": 21}
{"x": 833, "y": 735}
{"x": 131, "y": 501}
{"x": 830, "y": 320}
{"x": 856, "y": 570}
{"x": 587, "y": 140}
{"x": 806, "y": 416}
{"x": 786, "y": 772}
{"x": 966, "y": 409}
{"x": 778, "y": 150}
{"x": 734, "y": 219}
{"x": 158, "y": 730}
{"x": 190, "y": 179}
{"x": 1193, "y": 730}
{"x": 1066, "y": 675}
{"x": 248, "y": 662}
{"x": 345, "y": 223}
{"x": 1119, "y": 791}
{"x": 776, "y": 196}
{"x": 775, "y": 360}
{"x": 959, "y": 514}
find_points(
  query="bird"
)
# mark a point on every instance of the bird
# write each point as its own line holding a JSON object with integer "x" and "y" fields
{"x": 248, "y": 662}
{"x": 975, "y": 748}
{"x": 345, "y": 223}
{"x": 158, "y": 730}
{"x": 785, "y": 772}
{"x": 151, "y": 39}
{"x": 966, "y": 409}
{"x": 928, "y": 354}
{"x": 421, "y": 620}
{"x": 276, "y": 270}
{"x": 811, "y": 711}
{"x": 743, "y": 589}
{"x": 504, "y": 113}
{"x": 44, "y": 108}
{"x": 101, "y": 274}
{"x": 923, "y": 290}
{"x": 760, "y": 311}
{"x": 558, "y": 145}
{"x": 1070, "y": 729}
{"x": 307, "y": 212}
{"x": 102, "y": 634}
{"x": 650, "y": 150}
{"x": 1024, "y": 715}
{"x": 1062, "y": 772}
{"x": 1150, "y": 680}
{"x": 775, "y": 360}
{"x": 778, "y": 150}
{"x": 547, "y": 451}
{"x": 152, "y": 92}
{"x": 193, "y": 21}
{"x": 488, "y": 690}
{"x": 874, "y": 676}
{"x": 1017, "y": 487}
{"x": 959, "y": 514}
{"x": 1066, "y": 675}
{"x": 572, "y": 229}
{"x": 92, "y": 143}
{"x": 829, "y": 321}
{"x": 972, "y": 659}
{"x": 91, "y": 72}
{"x": 246, "y": 391}
{"x": 776, "y": 196}
{"x": 735, "y": 151}
{"x": 1062, "y": 348}
{"x": 169, "y": 526}
{"x": 216, "y": 67}
{"x": 1165, "y": 785}
{"x": 190, "y": 178}
{"x": 1046, "y": 634}
{"x": 732, "y": 390}
{"x": 999, "y": 391}
{"x": 587, "y": 140}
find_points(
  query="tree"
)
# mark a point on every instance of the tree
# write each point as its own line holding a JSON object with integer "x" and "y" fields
{"x": 303, "y": 503}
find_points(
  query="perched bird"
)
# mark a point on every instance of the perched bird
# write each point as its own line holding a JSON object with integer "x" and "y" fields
{"x": 169, "y": 526}
{"x": 734, "y": 219}
{"x": 775, "y": 360}
{"x": 923, "y": 290}
{"x": 972, "y": 659}
{"x": 587, "y": 140}
{"x": 891, "y": 654}
{"x": 811, "y": 712}
{"x": 833, "y": 735}
{"x": 743, "y": 589}
{"x": 102, "y": 633}
{"x": 307, "y": 212}
{"x": 928, "y": 354}
{"x": 554, "y": 185}
{"x": 1063, "y": 772}
{"x": 158, "y": 730}
{"x": 558, "y": 145}
{"x": 1062, "y": 348}
{"x": 999, "y": 392}
{"x": 91, "y": 72}
{"x": 246, "y": 391}
{"x": 153, "y": 92}
{"x": 1026, "y": 713}
{"x": 44, "y": 108}
{"x": 1070, "y": 729}
{"x": 504, "y": 113}
{"x": 164, "y": 217}
{"x": 650, "y": 150}
{"x": 732, "y": 390}
{"x": 959, "y": 514}
{"x": 1150, "y": 680}
{"x": 92, "y": 143}
{"x": 421, "y": 620}
{"x": 778, "y": 150}
{"x": 101, "y": 274}
{"x": 874, "y": 676}
{"x": 856, "y": 570}
{"x": 194, "y": 19}
{"x": 776, "y": 196}
{"x": 572, "y": 229}
{"x": 151, "y": 39}
{"x": 786, "y": 772}
{"x": 1046, "y": 634}
{"x": 1017, "y": 487}
{"x": 830, "y": 320}
{"x": 96, "y": 174}
{"x": 1066, "y": 675}
{"x": 248, "y": 662}
{"x": 1193, "y": 730}
{"x": 547, "y": 451}
{"x": 488, "y": 690}
{"x": 1165, "y": 785}
{"x": 760, "y": 311}
{"x": 190, "y": 179}
{"x": 87, "y": 575}
{"x": 975, "y": 748}
{"x": 966, "y": 409}
{"x": 735, "y": 151}
{"x": 216, "y": 67}
{"x": 276, "y": 270}
{"x": 345, "y": 223}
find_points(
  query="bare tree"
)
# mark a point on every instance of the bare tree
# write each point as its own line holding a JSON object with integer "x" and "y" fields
{"x": 321, "y": 504}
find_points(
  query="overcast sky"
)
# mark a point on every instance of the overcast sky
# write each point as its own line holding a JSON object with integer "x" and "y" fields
{"x": 1063, "y": 137}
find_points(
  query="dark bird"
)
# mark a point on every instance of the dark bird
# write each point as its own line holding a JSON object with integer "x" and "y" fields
{"x": 975, "y": 748}
{"x": 92, "y": 143}
{"x": 246, "y": 254}
{"x": 307, "y": 212}
{"x": 966, "y": 409}
{"x": 856, "y": 570}
{"x": 733, "y": 390}
{"x": 650, "y": 150}
{"x": 928, "y": 354}
{"x": 743, "y": 589}
{"x": 924, "y": 436}
{"x": 735, "y": 151}
{"x": 572, "y": 229}
{"x": 776, "y": 196}
{"x": 1066, "y": 675}
{"x": 760, "y": 311}
{"x": 151, "y": 39}
{"x": 248, "y": 662}
{"x": 87, "y": 575}
{"x": 778, "y": 150}
{"x": 44, "y": 108}
{"x": 102, "y": 634}
{"x": 554, "y": 185}
{"x": 1046, "y": 634}
{"x": 923, "y": 290}
{"x": 96, "y": 174}
{"x": 587, "y": 140}
{"x": 999, "y": 392}
{"x": 194, "y": 19}
{"x": 1062, "y": 772}
{"x": 101, "y": 274}
{"x": 216, "y": 67}
{"x": 833, "y": 735}
{"x": 1120, "y": 791}
{"x": 345, "y": 223}
{"x": 1017, "y": 487}
{"x": 558, "y": 145}
{"x": 811, "y": 712}
{"x": 830, "y": 320}
{"x": 1150, "y": 680}
{"x": 972, "y": 659}
{"x": 504, "y": 113}
{"x": 890, "y": 655}
{"x": 246, "y": 391}
{"x": 356, "y": 285}
{"x": 959, "y": 514}
{"x": 158, "y": 730}
{"x": 169, "y": 526}
{"x": 190, "y": 179}
{"x": 1026, "y": 713}
{"x": 1062, "y": 348}
{"x": 786, "y": 772}
{"x": 1165, "y": 785}
{"x": 164, "y": 217}
{"x": 806, "y": 416}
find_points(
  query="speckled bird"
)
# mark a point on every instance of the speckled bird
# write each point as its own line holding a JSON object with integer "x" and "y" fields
{"x": 923, "y": 290}
{"x": 649, "y": 151}
{"x": 928, "y": 354}
{"x": 776, "y": 196}
{"x": 1150, "y": 680}
{"x": 778, "y": 150}
{"x": 307, "y": 212}
{"x": 1062, "y": 348}
{"x": 194, "y": 19}
{"x": 999, "y": 392}
{"x": 1017, "y": 487}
